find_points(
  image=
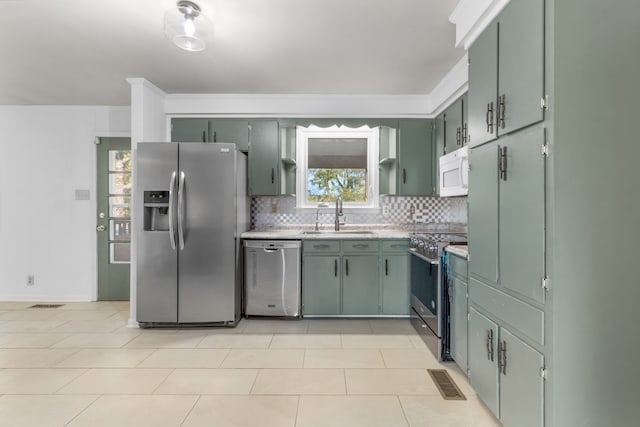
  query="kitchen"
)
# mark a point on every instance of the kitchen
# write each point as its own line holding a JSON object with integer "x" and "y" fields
{"x": 577, "y": 199}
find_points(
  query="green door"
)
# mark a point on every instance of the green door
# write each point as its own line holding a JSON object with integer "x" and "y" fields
{"x": 114, "y": 218}
{"x": 264, "y": 158}
{"x": 234, "y": 131}
{"x": 395, "y": 284}
{"x": 522, "y": 214}
{"x": 520, "y": 64}
{"x": 360, "y": 284}
{"x": 521, "y": 385}
{"x": 483, "y": 87}
{"x": 415, "y": 147}
{"x": 483, "y": 356}
{"x": 190, "y": 130}
{"x": 453, "y": 127}
{"x": 321, "y": 284}
{"x": 388, "y": 161}
{"x": 458, "y": 316}
{"x": 483, "y": 213}
{"x": 465, "y": 118}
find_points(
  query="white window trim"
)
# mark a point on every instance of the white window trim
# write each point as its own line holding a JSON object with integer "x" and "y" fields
{"x": 372, "y": 135}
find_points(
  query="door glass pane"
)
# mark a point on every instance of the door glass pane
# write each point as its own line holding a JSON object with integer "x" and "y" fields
{"x": 119, "y": 160}
{"x": 119, "y": 253}
{"x": 120, "y": 229}
{"x": 119, "y": 207}
{"x": 120, "y": 183}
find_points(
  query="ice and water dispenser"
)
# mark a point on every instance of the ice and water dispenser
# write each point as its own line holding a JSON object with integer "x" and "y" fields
{"x": 156, "y": 210}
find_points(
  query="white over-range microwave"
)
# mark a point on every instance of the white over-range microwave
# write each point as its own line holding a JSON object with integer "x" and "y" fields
{"x": 454, "y": 173}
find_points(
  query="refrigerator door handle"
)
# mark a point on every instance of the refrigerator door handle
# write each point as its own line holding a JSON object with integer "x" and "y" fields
{"x": 172, "y": 230}
{"x": 181, "y": 211}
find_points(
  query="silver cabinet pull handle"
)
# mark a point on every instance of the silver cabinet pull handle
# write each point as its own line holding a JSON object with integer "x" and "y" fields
{"x": 172, "y": 228}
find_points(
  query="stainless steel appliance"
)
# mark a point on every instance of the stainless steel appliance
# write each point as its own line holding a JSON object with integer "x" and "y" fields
{"x": 272, "y": 278}
{"x": 429, "y": 295}
{"x": 194, "y": 207}
{"x": 454, "y": 173}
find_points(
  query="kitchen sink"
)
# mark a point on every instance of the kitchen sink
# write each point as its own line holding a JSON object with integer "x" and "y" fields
{"x": 339, "y": 232}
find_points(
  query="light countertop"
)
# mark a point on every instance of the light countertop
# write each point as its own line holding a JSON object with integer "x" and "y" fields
{"x": 460, "y": 250}
{"x": 325, "y": 234}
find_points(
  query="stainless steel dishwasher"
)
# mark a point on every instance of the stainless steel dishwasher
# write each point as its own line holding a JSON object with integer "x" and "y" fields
{"x": 272, "y": 278}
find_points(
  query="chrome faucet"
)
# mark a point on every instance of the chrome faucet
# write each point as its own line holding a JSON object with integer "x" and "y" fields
{"x": 338, "y": 212}
{"x": 320, "y": 205}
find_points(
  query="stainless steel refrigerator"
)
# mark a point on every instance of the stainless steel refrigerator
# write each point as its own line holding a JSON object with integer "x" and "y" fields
{"x": 194, "y": 206}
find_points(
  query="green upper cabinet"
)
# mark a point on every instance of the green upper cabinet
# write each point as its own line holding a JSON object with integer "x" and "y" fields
{"x": 388, "y": 161}
{"x": 483, "y": 86}
{"x": 211, "y": 130}
{"x": 288, "y": 160}
{"x": 190, "y": 130}
{"x": 520, "y": 64}
{"x": 506, "y": 72}
{"x": 438, "y": 150}
{"x": 465, "y": 119}
{"x": 483, "y": 213}
{"x": 264, "y": 158}
{"x": 415, "y": 161}
{"x": 453, "y": 126}
{"x": 233, "y": 131}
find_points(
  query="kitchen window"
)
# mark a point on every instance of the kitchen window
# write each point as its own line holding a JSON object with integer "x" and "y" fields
{"x": 337, "y": 161}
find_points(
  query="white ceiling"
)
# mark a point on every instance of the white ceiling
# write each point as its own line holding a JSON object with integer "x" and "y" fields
{"x": 79, "y": 52}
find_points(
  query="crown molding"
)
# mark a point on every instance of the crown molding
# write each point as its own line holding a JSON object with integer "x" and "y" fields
{"x": 471, "y": 17}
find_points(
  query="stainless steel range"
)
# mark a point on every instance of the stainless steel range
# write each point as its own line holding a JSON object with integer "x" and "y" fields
{"x": 429, "y": 295}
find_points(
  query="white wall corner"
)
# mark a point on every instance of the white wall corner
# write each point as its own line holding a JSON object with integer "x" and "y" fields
{"x": 454, "y": 84}
{"x": 471, "y": 17}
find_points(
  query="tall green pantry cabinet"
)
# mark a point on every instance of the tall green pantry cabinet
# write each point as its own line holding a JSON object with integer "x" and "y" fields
{"x": 553, "y": 213}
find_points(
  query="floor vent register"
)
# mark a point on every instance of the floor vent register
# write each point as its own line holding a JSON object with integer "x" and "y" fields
{"x": 447, "y": 387}
{"x": 46, "y": 305}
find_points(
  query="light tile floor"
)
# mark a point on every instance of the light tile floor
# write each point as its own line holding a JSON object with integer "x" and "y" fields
{"x": 80, "y": 365}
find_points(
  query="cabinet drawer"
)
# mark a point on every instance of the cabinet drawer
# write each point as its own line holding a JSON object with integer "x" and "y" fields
{"x": 320, "y": 246}
{"x": 458, "y": 266}
{"x": 361, "y": 245}
{"x": 400, "y": 246}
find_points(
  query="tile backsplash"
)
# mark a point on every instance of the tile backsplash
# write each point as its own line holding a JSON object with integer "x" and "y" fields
{"x": 268, "y": 212}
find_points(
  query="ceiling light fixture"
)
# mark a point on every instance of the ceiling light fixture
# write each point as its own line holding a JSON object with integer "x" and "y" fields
{"x": 186, "y": 26}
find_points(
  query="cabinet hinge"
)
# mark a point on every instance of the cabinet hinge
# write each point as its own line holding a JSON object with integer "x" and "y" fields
{"x": 545, "y": 150}
{"x": 543, "y": 373}
{"x": 545, "y": 283}
{"x": 544, "y": 103}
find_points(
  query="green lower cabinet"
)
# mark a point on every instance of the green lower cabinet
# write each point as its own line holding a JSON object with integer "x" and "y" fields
{"x": 483, "y": 356}
{"x": 506, "y": 373}
{"x": 521, "y": 385}
{"x": 360, "y": 284}
{"x": 458, "y": 299}
{"x": 395, "y": 284}
{"x": 321, "y": 284}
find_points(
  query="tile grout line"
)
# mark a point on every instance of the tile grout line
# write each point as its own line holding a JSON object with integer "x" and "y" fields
{"x": 190, "y": 410}
{"x": 83, "y": 409}
{"x": 162, "y": 382}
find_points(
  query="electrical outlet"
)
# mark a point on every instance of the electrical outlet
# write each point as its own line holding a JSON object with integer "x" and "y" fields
{"x": 412, "y": 210}
{"x": 385, "y": 210}
{"x": 31, "y": 280}
{"x": 274, "y": 208}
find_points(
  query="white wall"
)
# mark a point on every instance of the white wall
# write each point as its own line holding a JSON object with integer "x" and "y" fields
{"x": 47, "y": 153}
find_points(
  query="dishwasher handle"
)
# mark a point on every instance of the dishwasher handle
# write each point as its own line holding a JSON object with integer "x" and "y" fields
{"x": 271, "y": 249}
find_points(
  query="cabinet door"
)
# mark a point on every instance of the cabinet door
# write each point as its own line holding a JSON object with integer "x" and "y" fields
{"x": 321, "y": 284}
{"x": 458, "y": 293}
{"x": 360, "y": 284}
{"x": 522, "y": 215}
{"x": 415, "y": 158}
{"x": 483, "y": 213}
{"x": 453, "y": 127}
{"x": 235, "y": 131}
{"x": 395, "y": 284}
{"x": 189, "y": 130}
{"x": 264, "y": 158}
{"x": 388, "y": 161}
{"x": 483, "y": 356}
{"x": 465, "y": 118}
{"x": 520, "y": 64}
{"x": 483, "y": 86}
{"x": 438, "y": 149}
{"x": 521, "y": 386}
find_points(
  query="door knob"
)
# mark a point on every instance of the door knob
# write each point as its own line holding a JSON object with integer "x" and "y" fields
{"x": 101, "y": 228}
